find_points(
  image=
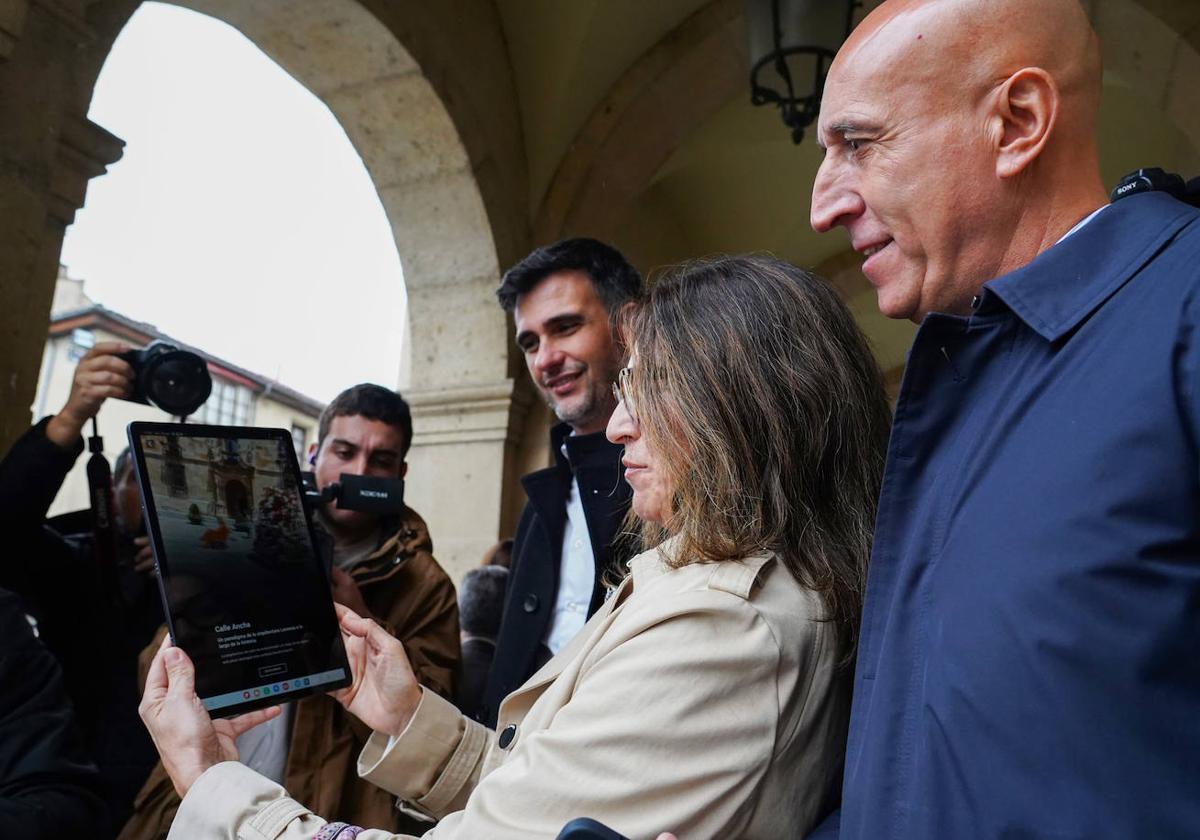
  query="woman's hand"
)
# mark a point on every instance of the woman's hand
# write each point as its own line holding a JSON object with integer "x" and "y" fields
{"x": 187, "y": 739}
{"x": 384, "y": 693}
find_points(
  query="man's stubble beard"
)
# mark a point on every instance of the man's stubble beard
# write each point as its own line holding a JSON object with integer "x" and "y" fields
{"x": 586, "y": 411}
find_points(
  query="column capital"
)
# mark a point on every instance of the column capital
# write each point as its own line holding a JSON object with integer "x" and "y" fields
{"x": 472, "y": 413}
{"x": 85, "y": 151}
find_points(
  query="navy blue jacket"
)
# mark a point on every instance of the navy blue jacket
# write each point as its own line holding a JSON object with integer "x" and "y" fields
{"x": 1029, "y": 664}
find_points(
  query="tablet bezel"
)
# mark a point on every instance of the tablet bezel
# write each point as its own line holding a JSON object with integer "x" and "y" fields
{"x": 135, "y": 431}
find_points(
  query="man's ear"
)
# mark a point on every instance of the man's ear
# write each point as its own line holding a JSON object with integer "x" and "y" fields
{"x": 1026, "y": 111}
{"x": 312, "y": 454}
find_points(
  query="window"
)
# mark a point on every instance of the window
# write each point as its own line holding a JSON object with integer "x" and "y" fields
{"x": 228, "y": 405}
{"x": 81, "y": 342}
{"x": 299, "y": 436}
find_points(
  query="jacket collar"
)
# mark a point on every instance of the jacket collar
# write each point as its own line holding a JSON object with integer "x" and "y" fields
{"x": 581, "y": 450}
{"x": 734, "y": 576}
{"x": 1069, "y": 281}
{"x": 546, "y": 488}
{"x": 404, "y": 536}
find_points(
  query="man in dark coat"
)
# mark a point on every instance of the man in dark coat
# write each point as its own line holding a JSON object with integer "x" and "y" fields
{"x": 566, "y": 300}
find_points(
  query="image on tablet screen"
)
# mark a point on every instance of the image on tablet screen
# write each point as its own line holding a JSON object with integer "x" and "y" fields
{"x": 245, "y": 589}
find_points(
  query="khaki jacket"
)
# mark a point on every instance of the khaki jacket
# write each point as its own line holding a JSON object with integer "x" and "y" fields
{"x": 406, "y": 589}
{"x": 704, "y": 700}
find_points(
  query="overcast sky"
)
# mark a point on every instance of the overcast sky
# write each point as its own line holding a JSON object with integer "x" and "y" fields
{"x": 240, "y": 219}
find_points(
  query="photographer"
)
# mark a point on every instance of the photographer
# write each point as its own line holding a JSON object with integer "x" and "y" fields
{"x": 383, "y": 567}
{"x": 94, "y": 619}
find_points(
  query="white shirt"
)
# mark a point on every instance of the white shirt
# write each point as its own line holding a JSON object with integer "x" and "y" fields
{"x": 1082, "y": 224}
{"x": 576, "y": 575}
{"x": 265, "y": 747}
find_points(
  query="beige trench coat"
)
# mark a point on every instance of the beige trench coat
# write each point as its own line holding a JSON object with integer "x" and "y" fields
{"x": 704, "y": 700}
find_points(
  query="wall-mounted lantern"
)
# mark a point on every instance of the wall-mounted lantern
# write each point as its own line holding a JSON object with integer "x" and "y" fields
{"x": 792, "y": 44}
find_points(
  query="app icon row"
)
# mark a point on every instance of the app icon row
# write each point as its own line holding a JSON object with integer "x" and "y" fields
{"x": 276, "y": 688}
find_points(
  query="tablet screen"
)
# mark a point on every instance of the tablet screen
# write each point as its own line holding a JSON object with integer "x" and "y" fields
{"x": 246, "y": 596}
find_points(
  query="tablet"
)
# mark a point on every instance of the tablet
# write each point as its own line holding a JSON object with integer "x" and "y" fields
{"x": 245, "y": 592}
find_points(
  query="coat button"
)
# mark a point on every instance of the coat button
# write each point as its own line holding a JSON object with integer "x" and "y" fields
{"x": 507, "y": 736}
{"x": 531, "y": 603}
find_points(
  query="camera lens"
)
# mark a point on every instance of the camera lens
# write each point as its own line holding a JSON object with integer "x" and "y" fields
{"x": 177, "y": 382}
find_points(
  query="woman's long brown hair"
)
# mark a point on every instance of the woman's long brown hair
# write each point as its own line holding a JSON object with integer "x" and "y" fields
{"x": 762, "y": 401}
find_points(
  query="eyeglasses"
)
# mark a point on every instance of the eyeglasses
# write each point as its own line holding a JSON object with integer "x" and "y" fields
{"x": 623, "y": 393}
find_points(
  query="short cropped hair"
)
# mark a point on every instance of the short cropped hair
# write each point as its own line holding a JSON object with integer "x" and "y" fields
{"x": 373, "y": 402}
{"x": 481, "y": 600}
{"x": 613, "y": 278}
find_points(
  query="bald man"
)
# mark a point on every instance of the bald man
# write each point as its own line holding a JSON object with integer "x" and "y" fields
{"x": 1029, "y": 663}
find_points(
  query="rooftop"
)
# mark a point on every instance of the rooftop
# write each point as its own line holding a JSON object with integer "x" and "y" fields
{"x": 138, "y": 332}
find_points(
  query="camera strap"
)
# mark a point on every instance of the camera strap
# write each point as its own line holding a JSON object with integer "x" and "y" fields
{"x": 103, "y": 513}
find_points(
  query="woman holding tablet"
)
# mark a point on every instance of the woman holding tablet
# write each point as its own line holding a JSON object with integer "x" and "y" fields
{"x": 710, "y": 694}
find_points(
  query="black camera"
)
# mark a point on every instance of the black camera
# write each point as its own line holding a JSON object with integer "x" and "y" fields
{"x": 364, "y": 493}
{"x": 177, "y": 381}
{"x": 1156, "y": 180}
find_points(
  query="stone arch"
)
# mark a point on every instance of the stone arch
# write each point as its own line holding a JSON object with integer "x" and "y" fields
{"x": 670, "y": 90}
{"x": 458, "y": 357}
{"x": 410, "y": 145}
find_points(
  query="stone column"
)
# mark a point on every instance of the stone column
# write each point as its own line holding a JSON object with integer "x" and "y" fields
{"x": 464, "y": 451}
{"x": 48, "y": 153}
